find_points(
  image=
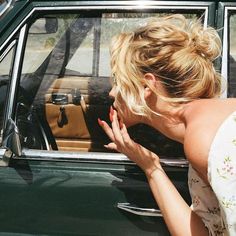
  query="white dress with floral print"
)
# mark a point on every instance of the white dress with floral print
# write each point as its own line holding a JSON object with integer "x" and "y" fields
{"x": 216, "y": 203}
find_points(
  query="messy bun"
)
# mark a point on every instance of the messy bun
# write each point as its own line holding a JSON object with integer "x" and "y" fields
{"x": 204, "y": 41}
{"x": 179, "y": 52}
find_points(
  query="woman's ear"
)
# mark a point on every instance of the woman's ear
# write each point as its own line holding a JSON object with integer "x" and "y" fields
{"x": 151, "y": 81}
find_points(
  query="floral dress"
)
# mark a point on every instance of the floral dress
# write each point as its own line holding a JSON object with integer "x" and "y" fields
{"x": 216, "y": 203}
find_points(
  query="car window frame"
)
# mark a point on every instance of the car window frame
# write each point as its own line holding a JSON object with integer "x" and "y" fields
{"x": 11, "y": 47}
{"x": 223, "y": 23}
{"x": 34, "y": 154}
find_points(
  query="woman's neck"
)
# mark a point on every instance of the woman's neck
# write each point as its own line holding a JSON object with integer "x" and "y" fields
{"x": 171, "y": 123}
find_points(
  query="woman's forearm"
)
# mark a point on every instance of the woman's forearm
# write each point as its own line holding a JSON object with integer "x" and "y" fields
{"x": 179, "y": 218}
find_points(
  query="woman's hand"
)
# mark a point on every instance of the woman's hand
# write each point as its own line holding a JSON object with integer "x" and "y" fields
{"x": 121, "y": 142}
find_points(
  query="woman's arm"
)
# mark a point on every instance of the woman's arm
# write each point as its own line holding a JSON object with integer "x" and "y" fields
{"x": 180, "y": 219}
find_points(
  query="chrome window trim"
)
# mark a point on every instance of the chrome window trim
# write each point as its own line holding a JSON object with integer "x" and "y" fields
{"x": 2, "y": 162}
{"x": 224, "y": 66}
{"x": 91, "y": 157}
{"x": 15, "y": 72}
{"x": 116, "y": 5}
{"x": 8, "y": 49}
{"x": 87, "y": 157}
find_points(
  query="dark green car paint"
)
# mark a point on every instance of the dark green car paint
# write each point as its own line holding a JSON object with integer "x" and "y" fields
{"x": 48, "y": 198}
{"x": 74, "y": 197}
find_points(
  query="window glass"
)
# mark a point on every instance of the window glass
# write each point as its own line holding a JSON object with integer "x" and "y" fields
{"x": 232, "y": 56}
{"x": 82, "y": 59}
{"x": 5, "y": 72}
{"x": 66, "y": 83}
{"x": 114, "y": 23}
{"x": 4, "y": 4}
{"x": 40, "y": 43}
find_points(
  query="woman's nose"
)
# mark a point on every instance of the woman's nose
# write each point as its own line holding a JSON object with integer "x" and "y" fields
{"x": 112, "y": 92}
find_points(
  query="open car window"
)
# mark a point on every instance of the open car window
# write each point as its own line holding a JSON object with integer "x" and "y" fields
{"x": 65, "y": 83}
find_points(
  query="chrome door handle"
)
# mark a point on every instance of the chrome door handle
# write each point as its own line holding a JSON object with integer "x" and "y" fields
{"x": 139, "y": 211}
{"x": 174, "y": 162}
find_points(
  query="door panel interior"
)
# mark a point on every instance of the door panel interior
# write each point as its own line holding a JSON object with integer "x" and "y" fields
{"x": 72, "y": 107}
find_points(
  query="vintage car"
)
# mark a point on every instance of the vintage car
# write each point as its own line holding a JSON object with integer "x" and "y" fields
{"x": 56, "y": 177}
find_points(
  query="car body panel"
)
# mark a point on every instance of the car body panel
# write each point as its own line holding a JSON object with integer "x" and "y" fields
{"x": 49, "y": 192}
{"x": 58, "y": 198}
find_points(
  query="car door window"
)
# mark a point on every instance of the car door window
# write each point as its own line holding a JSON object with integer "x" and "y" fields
{"x": 66, "y": 82}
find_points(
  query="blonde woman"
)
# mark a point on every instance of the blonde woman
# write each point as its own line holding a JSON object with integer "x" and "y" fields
{"x": 164, "y": 77}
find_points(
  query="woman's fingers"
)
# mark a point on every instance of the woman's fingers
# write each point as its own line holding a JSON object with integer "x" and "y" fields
{"x": 118, "y": 133}
{"x": 106, "y": 128}
{"x": 116, "y": 129}
{"x": 125, "y": 135}
{"x": 122, "y": 142}
{"x": 111, "y": 146}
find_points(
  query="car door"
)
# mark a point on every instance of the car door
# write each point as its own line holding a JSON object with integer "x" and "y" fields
{"x": 56, "y": 176}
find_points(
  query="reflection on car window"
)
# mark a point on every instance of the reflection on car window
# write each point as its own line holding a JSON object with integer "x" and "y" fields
{"x": 5, "y": 70}
{"x": 65, "y": 82}
{"x": 39, "y": 45}
{"x": 4, "y": 4}
{"x": 114, "y": 23}
{"x": 82, "y": 59}
{"x": 232, "y": 56}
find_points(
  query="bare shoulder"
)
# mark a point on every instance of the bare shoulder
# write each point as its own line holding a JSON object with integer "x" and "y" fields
{"x": 203, "y": 118}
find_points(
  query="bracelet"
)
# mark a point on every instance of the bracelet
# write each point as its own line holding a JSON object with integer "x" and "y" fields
{"x": 150, "y": 175}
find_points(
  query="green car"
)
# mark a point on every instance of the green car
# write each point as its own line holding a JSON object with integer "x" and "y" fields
{"x": 56, "y": 177}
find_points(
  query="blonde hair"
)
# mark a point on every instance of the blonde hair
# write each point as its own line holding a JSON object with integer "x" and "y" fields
{"x": 179, "y": 52}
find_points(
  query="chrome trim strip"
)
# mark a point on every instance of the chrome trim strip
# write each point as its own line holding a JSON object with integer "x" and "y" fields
{"x": 224, "y": 63}
{"x": 2, "y": 161}
{"x": 2, "y": 151}
{"x": 91, "y": 157}
{"x": 7, "y": 50}
{"x": 141, "y": 3}
{"x": 106, "y": 5}
{"x": 131, "y": 7}
{"x": 15, "y": 73}
{"x": 206, "y": 18}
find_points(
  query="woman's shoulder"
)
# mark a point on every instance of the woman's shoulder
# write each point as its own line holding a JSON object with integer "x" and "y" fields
{"x": 211, "y": 105}
{"x": 206, "y": 111}
{"x": 203, "y": 119}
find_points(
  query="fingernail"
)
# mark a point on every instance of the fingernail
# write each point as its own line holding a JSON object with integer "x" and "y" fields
{"x": 111, "y": 110}
{"x": 111, "y": 116}
{"x": 100, "y": 122}
{"x": 121, "y": 124}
